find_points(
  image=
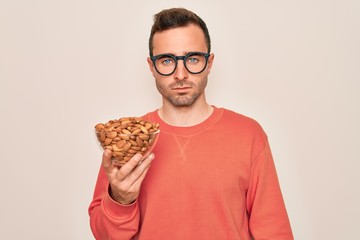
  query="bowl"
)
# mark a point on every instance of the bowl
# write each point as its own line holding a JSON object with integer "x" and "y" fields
{"x": 126, "y": 137}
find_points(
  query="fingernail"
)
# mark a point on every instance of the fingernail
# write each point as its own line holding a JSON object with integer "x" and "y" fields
{"x": 137, "y": 157}
{"x": 106, "y": 153}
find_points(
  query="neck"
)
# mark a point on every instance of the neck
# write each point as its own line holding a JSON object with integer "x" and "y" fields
{"x": 185, "y": 116}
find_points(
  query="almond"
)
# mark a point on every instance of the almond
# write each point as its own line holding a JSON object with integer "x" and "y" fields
{"x": 125, "y": 137}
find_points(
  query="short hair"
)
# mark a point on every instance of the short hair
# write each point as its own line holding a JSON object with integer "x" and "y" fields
{"x": 173, "y": 18}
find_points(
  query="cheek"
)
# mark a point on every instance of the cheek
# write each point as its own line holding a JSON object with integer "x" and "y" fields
{"x": 160, "y": 85}
{"x": 207, "y": 71}
{"x": 203, "y": 84}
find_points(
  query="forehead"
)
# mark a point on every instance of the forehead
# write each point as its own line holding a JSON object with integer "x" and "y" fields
{"x": 180, "y": 40}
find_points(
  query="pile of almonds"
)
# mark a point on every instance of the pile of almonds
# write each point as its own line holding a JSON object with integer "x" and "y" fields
{"x": 126, "y": 136}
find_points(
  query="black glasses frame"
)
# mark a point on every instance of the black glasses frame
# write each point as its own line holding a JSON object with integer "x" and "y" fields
{"x": 184, "y": 58}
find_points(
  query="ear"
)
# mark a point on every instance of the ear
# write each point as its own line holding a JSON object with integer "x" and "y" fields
{"x": 151, "y": 66}
{"x": 210, "y": 62}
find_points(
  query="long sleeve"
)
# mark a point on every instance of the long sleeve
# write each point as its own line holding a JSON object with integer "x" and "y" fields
{"x": 109, "y": 219}
{"x": 268, "y": 219}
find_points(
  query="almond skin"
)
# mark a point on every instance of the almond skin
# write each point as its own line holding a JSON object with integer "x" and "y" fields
{"x": 125, "y": 137}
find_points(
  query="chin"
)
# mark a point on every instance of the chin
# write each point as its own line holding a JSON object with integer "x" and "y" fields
{"x": 182, "y": 101}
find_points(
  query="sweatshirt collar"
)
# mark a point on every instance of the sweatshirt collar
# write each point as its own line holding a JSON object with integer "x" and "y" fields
{"x": 188, "y": 130}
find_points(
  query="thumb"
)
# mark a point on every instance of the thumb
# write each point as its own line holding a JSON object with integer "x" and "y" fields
{"x": 106, "y": 160}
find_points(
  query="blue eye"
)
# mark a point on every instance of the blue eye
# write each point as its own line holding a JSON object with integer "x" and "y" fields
{"x": 193, "y": 60}
{"x": 167, "y": 61}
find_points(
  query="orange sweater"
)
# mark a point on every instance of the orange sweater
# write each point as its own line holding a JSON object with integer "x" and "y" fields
{"x": 215, "y": 180}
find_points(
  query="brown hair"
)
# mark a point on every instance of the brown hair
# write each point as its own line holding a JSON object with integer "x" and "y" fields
{"x": 173, "y": 18}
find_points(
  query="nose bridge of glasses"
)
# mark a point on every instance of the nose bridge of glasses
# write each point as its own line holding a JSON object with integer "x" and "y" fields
{"x": 180, "y": 58}
{"x": 180, "y": 70}
{"x": 177, "y": 58}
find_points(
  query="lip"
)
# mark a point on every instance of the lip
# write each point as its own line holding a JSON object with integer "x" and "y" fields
{"x": 181, "y": 88}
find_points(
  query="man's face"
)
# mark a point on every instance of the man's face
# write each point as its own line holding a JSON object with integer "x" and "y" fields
{"x": 181, "y": 88}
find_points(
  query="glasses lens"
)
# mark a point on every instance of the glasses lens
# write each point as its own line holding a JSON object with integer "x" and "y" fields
{"x": 165, "y": 64}
{"x": 195, "y": 62}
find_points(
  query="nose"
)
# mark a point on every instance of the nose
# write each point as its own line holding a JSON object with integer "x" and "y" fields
{"x": 181, "y": 73}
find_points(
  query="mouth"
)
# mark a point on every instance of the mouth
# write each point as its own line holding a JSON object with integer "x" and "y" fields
{"x": 181, "y": 89}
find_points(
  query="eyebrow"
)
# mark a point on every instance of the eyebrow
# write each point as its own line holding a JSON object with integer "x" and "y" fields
{"x": 184, "y": 53}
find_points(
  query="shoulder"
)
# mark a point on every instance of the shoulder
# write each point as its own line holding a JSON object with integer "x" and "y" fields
{"x": 150, "y": 116}
{"x": 232, "y": 118}
{"x": 247, "y": 127}
{"x": 244, "y": 129}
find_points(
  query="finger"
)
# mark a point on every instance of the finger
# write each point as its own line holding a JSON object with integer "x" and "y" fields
{"x": 134, "y": 180}
{"x": 138, "y": 172}
{"x": 106, "y": 161}
{"x": 128, "y": 167}
{"x": 140, "y": 179}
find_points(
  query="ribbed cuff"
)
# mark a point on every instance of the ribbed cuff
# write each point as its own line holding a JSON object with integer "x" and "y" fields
{"x": 117, "y": 210}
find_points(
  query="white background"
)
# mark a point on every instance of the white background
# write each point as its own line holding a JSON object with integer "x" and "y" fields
{"x": 294, "y": 66}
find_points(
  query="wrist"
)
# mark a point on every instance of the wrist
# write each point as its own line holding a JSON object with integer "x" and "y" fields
{"x": 119, "y": 199}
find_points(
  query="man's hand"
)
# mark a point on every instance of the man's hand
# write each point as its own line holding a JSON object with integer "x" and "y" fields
{"x": 125, "y": 182}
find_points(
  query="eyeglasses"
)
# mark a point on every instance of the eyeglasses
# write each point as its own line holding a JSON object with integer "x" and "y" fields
{"x": 194, "y": 62}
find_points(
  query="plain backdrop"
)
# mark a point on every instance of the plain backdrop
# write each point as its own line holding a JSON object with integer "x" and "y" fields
{"x": 294, "y": 66}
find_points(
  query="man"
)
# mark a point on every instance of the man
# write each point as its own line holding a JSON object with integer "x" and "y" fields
{"x": 211, "y": 174}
